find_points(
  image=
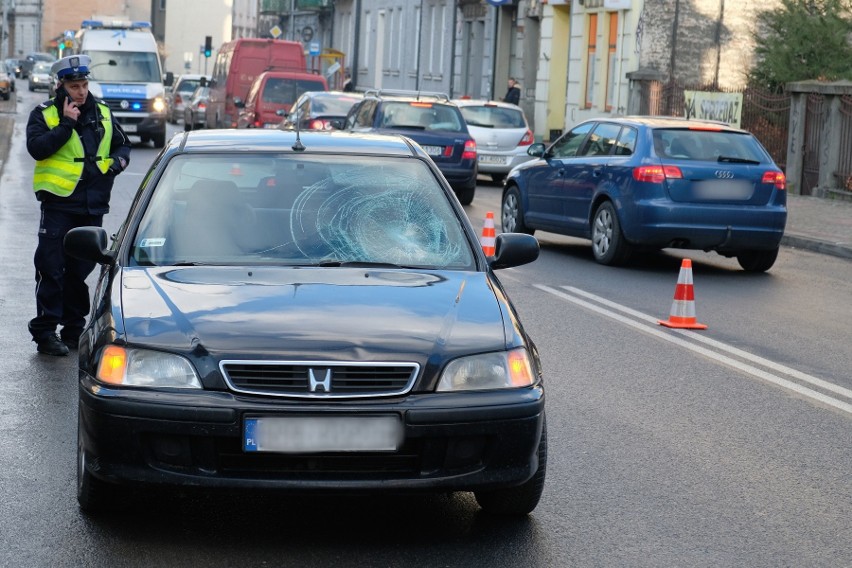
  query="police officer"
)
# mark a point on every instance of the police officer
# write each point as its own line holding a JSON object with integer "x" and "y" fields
{"x": 79, "y": 148}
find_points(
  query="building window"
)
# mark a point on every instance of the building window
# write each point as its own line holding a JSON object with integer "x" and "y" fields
{"x": 591, "y": 59}
{"x": 162, "y": 5}
{"x": 611, "y": 61}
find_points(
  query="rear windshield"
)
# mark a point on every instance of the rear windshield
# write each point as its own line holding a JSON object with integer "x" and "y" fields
{"x": 707, "y": 145}
{"x": 493, "y": 116}
{"x": 188, "y": 85}
{"x": 338, "y": 106}
{"x": 285, "y": 91}
{"x": 421, "y": 116}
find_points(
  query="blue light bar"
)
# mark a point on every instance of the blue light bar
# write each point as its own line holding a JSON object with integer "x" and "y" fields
{"x": 92, "y": 24}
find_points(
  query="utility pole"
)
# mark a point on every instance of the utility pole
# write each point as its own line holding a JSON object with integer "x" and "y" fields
{"x": 4, "y": 35}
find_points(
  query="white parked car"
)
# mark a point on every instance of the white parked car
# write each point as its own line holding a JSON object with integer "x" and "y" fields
{"x": 501, "y": 132}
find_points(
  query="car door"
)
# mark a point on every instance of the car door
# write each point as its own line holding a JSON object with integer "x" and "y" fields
{"x": 585, "y": 171}
{"x": 545, "y": 180}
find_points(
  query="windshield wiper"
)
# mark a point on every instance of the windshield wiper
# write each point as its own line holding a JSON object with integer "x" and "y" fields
{"x": 735, "y": 160}
{"x": 189, "y": 263}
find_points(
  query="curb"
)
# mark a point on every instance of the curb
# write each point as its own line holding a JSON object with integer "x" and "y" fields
{"x": 839, "y": 249}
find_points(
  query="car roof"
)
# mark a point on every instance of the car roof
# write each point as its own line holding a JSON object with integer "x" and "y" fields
{"x": 262, "y": 140}
{"x": 668, "y": 122}
{"x": 484, "y": 102}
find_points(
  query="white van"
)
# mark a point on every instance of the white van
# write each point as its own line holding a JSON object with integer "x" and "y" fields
{"x": 126, "y": 74}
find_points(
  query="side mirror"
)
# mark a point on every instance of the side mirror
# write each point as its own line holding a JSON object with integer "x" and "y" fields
{"x": 89, "y": 243}
{"x": 537, "y": 150}
{"x": 513, "y": 249}
{"x": 238, "y": 102}
{"x": 169, "y": 79}
{"x": 282, "y": 112}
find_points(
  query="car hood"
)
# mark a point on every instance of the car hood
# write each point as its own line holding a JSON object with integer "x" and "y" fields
{"x": 311, "y": 313}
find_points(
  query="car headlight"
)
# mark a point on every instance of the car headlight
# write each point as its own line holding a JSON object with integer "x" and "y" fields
{"x": 127, "y": 366}
{"x": 504, "y": 370}
{"x": 159, "y": 105}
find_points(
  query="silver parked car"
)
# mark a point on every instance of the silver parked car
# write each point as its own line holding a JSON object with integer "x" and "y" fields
{"x": 40, "y": 78}
{"x": 501, "y": 132}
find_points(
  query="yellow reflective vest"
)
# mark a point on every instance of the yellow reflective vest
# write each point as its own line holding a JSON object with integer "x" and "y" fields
{"x": 60, "y": 173}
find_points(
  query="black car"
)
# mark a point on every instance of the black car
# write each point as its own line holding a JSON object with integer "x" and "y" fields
{"x": 431, "y": 120}
{"x": 305, "y": 313}
{"x": 320, "y": 110}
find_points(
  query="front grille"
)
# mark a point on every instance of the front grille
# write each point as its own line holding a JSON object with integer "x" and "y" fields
{"x": 319, "y": 379}
{"x": 115, "y": 105}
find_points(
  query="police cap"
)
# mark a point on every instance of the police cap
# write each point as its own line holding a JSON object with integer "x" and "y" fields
{"x": 71, "y": 68}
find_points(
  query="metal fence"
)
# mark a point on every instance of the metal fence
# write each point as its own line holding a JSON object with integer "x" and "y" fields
{"x": 844, "y": 170}
{"x": 765, "y": 114}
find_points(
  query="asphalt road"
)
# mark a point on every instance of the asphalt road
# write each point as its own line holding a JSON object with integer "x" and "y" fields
{"x": 729, "y": 447}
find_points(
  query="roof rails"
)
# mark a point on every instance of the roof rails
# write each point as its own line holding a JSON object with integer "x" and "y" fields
{"x": 400, "y": 93}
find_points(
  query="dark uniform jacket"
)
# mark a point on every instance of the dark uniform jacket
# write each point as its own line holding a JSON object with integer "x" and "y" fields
{"x": 91, "y": 196}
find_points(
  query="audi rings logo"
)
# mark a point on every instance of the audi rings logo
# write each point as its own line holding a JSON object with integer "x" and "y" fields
{"x": 724, "y": 174}
{"x": 126, "y": 105}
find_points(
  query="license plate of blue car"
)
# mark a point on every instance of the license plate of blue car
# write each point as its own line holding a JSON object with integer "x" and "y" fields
{"x": 312, "y": 434}
{"x": 433, "y": 150}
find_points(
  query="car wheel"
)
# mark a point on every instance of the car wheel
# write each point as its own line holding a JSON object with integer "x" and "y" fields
{"x": 187, "y": 126}
{"x": 93, "y": 495}
{"x": 608, "y": 243}
{"x": 498, "y": 178}
{"x": 512, "y": 213}
{"x": 160, "y": 139}
{"x": 757, "y": 260}
{"x": 520, "y": 500}
{"x": 465, "y": 194}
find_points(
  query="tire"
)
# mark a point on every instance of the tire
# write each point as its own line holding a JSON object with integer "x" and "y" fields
{"x": 512, "y": 213}
{"x": 93, "y": 495}
{"x": 522, "y": 499}
{"x": 465, "y": 194}
{"x": 160, "y": 139}
{"x": 757, "y": 260}
{"x": 608, "y": 243}
{"x": 187, "y": 126}
{"x": 498, "y": 178}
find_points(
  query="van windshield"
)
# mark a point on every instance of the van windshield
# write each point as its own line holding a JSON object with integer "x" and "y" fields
{"x": 130, "y": 66}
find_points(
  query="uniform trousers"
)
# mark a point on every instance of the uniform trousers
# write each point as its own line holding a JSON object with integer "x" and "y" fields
{"x": 62, "y": 296}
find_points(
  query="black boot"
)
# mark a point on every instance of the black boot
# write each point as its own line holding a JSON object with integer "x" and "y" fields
{"x": 52, "y": 345}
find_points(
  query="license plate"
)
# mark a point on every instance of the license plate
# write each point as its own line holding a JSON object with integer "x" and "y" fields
{"x": 487, "y": 159}
{"x": 128, "y": 128}
{"x": 270, "y": 125}
{"x": 723, "y": 189}
{"x": 305, "y": 434}
{"x": 433, "y": 150}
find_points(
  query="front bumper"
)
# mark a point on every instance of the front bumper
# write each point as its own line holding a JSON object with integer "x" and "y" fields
{"x": 451, "y": 442}
{"x": 139, "y": 124}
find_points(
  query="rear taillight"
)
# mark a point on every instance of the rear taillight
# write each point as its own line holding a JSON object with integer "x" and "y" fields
{"x": 778, "y": 179}
{"x": 656, "y": 174}
{"x": 258, "y": 124}
{"x": 202, "y": 106}
{"x": 469, "y": 150}
{"x": 316, "y": 124}
{"x": 527, "y": 139}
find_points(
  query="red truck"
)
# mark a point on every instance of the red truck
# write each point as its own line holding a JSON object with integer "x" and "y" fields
{"x": 237, "y": 65}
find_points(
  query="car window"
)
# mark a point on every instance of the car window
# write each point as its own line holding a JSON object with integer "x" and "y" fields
{"x": 271, "y": 209}
{"x": 707, "y": 145}
{"x": 492, "y": 116}
{"x": 42, "y": 68}
{"x": 187, "y": 85}
{"x": 568, "y": 144}
{"x": 286, "y": 91}
{"x": 332, "y": 105}
{"x": 601, "y": 141}
{"x": 364, "y": 118}
{"x": 626, "y": 143}
{"x": 416, "y": 115}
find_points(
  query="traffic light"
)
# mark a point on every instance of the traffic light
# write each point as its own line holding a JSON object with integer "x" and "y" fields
{"x": 208, "y": 46}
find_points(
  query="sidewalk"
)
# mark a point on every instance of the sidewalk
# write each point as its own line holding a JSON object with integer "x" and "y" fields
{"x": 813, "y": 223}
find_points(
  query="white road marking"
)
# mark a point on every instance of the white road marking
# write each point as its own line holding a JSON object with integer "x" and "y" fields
{"x": 739, "y": 365}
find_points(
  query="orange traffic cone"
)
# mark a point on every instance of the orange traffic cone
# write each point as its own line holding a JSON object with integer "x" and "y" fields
{"x": 682, "y": 315}
{"x": 488, "y": 235}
